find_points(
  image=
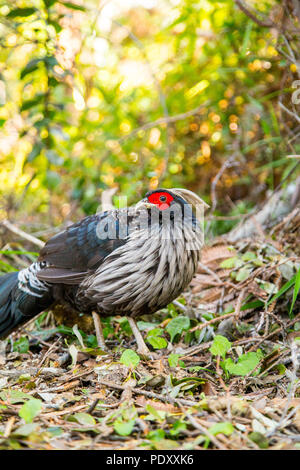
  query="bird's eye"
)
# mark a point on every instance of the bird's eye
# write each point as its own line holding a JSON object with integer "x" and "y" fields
{"x": 162, "y": 198}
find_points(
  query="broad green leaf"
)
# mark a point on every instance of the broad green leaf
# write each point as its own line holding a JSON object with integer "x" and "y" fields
{"x": 157, "y": 342}
{"x": 177, "y": 427}
{"x": 243, "y": 274}
{"x": 173, "y": 359}
{"x": 245, "y": 364}
{"x": 146, "y": 325}
{"x": 221, "y": 428}
{"x": 21, "y": 12}
{"x": 130, "y": 358}
{"x": 14, "y": 396}
{"x": 230, "y": 263}
{"x": 220, "y": 346}
{"x": 259, "y": 439}
{"x": 55, "y": 431}
{"x": 249, "y": 256}
{"x": 124, "y": 428}
{"x": 30, "y": 410}
{"x": 154, "y": 338}
{"x": 85, "y": 419}
{"x": 21, "y": 345}
{"x": 177, "y": 325}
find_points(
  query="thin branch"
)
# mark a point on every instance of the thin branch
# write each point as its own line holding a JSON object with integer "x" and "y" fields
{"x": 138, "y": 391}
{"x": 164, "y": 120}
{"x": 288, "y": 111}
{"x": 22, "y": 234}
{"x": 266, "y": 23}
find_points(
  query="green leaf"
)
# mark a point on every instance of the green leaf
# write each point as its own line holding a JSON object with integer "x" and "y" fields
{"x": 177, "y": 427}
{"x": 243, "y": 274}
{"x": 146, "y": 325}
{"x": 14, "y": 396}
{"x": 220, "y": 346}
{"x": 173, "y": 359}
{"x": 21, "y": 12}
{"x": 49, "y": 3}
{"x": 283, "y": 289}
{"x": 130, "y": 358}
{"x": 26, "y": 429}
{"x": 230, "y": 263}
{"x": 296, "y": 291}
{"x": 21, "y": 345}
{"x": 249, "y": 256}
{"x": 154, "y": 414}
{"x": 30, "y": 410}
{"x": 221, "y": 428}
{"x": 85, "y": 419}
{"x": 73, "y": 6}
{"x": 124, "y": 428}
{"x": 177, "y": 326}
{"x": 33, "y": 102}
{"x": 36, "y": 150}
{"x": 154, "y": 338}
{"x": 157, "y": 342}
{"x": 31, "y": 66}
{"x": 259, "y": 439}
{"x": 246, "y": 363}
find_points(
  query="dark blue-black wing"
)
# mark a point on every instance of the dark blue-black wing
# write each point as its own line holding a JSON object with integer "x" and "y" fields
{"x": 79, "y": 250}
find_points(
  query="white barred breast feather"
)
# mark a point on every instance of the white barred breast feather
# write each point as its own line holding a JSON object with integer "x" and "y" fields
{"x": 28, "y": 281}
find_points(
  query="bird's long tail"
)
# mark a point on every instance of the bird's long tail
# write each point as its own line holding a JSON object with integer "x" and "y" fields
{"x": 18, "y": 306}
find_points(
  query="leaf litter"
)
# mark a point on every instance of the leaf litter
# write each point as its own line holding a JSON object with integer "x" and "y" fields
{"x": 225, "y": 374}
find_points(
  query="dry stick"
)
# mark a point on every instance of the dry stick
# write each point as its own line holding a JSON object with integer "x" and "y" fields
{"x": 267, "y": 23}
{"x": 8, "y": 427}
{"x": 22, "y": 234}
{"x": 288, "y": 111}
{"x": 205, "y": 431}
{"x": 181, "y": 401}
{"x": 239, "y": 304}
{"x": 99, "y": 331}
{"x": 214, "y": 320}
{"x": 275, "y": 332}
{"x": 164, "y": 120}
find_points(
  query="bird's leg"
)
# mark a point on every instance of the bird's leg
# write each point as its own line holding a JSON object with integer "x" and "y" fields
{"x": 142, "y": 348}
{"x": 99, "y": 331}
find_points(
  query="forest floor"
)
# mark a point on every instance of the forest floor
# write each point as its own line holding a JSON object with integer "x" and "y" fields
{"x": 223, "y": 373}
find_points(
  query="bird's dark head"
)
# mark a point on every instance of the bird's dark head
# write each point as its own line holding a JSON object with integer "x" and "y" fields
{"x": 164, "y": 199}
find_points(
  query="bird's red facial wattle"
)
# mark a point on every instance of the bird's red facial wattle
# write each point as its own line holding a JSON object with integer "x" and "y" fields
{"x": 161, "y": 199}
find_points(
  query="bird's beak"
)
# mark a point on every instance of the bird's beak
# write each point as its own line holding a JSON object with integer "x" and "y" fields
{"x": 144, "y": 204}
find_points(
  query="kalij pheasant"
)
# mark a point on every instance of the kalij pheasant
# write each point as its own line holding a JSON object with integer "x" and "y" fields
{"x": 130, "y": 261}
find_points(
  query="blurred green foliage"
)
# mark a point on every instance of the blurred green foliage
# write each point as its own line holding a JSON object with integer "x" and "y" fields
{"x": 82, "y": 84}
